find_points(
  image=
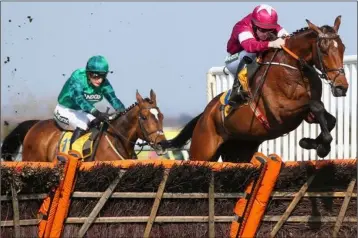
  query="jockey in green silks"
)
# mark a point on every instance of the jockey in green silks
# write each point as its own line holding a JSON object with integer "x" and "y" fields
{"x": 82, "y": 90}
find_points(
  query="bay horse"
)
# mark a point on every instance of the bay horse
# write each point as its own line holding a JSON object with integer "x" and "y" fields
{"x": 143, "y": 120}
{"x": 283, "y": 89}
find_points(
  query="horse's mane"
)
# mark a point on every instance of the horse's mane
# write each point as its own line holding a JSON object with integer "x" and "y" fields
{"x": 324, "y": 29}
{"x": 298, "y": 31}
{"x": 132, "y": 106}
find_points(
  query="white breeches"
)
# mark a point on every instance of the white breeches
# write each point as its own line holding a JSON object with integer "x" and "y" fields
{"x": 69, "y": 119}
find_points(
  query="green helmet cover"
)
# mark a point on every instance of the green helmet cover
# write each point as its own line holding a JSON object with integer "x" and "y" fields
{"x": 97, "y": 64}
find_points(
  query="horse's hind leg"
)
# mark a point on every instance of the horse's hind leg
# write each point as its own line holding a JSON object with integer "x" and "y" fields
{"x": 205, "y": 141}
{"x": 238, "y": 151}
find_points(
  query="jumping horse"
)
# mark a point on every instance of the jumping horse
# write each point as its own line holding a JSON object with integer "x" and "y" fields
{"x": 284, "y": 90}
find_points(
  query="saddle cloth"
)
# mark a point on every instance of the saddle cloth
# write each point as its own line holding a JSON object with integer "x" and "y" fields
{"x": 83, "y": 145}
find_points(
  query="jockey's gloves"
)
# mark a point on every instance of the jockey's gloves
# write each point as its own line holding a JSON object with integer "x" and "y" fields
{"x": 276, "y": 43}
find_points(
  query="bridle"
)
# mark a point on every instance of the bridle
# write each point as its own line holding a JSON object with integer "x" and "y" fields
{"x": 322, "y": 67}
{"x": 323, "y": 74}
{"x": 145, "y": 133}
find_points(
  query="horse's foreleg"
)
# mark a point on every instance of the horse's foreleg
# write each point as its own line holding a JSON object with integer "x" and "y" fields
{"x": 331, "y": 122}
{"x": 322, "y": 148}
{"x": 318, "y": 110}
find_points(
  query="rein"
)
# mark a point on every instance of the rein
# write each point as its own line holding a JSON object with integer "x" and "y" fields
{"x": 118, "y": 134}
{"x": 255, "y": 105}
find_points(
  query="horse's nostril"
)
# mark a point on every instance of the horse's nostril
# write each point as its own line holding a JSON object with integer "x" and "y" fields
{"x": 342, "y": 89}
{"x": 339, "y": 91}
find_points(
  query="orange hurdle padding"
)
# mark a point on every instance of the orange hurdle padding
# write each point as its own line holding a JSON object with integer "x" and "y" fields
{"x": 22, "y": 164}
{"x": 48, "y": 209}
{"x": 49, "y": 206}
{"x": 43, "y": 213}
{"x": 125, "y": 164}
{"x": 64, "y": 201}
{"x": 167, "y": 164}
{"x": 320, "y": 163}
{"x": 34, "y": 164}
{"x": 274, "y": 164}
{"x": 244, "y": 204}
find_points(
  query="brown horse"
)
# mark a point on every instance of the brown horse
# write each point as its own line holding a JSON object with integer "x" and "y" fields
{"x": 281, "y": 97}
{"x": 142, "y": 120}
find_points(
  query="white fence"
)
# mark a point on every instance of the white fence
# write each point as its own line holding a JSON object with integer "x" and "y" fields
{"x": 344, "y": 144}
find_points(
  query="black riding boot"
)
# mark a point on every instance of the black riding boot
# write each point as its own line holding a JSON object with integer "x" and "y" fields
{"x": 234, "y": 95}
{"x": 77, "y": 133}
{"x": 252, "y": 68}
{"x": 236, "y": 91}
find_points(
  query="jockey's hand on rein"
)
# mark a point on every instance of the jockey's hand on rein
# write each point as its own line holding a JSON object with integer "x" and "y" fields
{"x": 277, "y": 43}
{"x": 101, "y": 116}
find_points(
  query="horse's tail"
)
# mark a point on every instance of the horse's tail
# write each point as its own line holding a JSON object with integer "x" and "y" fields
{"x": 185, "y": 134}
{"x": 14, "y": 140}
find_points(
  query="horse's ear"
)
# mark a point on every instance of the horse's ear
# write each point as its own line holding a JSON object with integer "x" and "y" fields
{"x": 153, "y": 96}
{"x": 313, "y": 27}
{"x": 138, "y": 97}
{"x": 337, "y": 23}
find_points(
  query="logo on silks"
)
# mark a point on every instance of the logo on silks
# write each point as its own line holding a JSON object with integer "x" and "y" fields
{"x": 93, "y": 97}
{"x": 61, "y": 118}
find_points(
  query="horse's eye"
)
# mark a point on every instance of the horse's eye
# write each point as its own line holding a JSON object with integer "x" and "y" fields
{"x": 324, "y": 46}
{"x": 144, "y": 117}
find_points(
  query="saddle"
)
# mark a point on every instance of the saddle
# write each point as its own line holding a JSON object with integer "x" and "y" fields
{"x": 83, "y": 145}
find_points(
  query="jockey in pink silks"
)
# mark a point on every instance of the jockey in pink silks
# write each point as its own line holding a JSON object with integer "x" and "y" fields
{"x": 250, "y": 36}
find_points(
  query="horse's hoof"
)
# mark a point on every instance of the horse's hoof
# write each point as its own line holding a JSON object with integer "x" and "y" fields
{"x": 323, "y": 150}
{"x": 308, "y": 143}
